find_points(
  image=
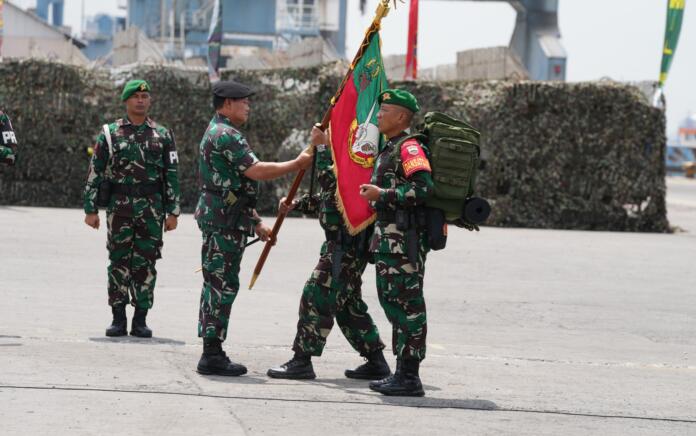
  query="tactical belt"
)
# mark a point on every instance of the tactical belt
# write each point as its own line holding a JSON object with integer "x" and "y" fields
{"x": 339, "y": 236}
{"x": 251, "y": 202}
{"x": 212, "y": 190}
{"x": 137, "y": 190}
{"x": 386, "y": 216}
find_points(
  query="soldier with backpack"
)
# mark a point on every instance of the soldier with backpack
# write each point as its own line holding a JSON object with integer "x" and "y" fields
{"x": 401, "y": 183}
{"x": 421, "y": 182}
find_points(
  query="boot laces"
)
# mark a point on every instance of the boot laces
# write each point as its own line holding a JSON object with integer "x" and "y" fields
{"x": 295, "y": 361}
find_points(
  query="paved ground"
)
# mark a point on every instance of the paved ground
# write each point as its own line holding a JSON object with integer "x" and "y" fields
{"x": 531, "y": 332}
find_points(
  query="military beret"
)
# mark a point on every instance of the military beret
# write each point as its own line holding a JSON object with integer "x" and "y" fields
{"x": 231, "y": 89}
{"x": 399, "y": 97}
{"x": 134, "y": 86}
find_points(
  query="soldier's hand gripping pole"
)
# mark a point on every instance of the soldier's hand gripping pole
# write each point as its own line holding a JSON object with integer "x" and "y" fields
{"x": 382, "y": 11}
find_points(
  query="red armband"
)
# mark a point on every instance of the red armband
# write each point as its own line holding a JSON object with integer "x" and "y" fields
{"x": 413, "y": 158}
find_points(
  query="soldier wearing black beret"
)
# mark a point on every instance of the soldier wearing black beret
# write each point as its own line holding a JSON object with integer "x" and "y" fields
{"x": 229, "y": 172}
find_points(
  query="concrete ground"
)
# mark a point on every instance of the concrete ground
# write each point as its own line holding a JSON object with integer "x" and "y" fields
{"x": 530, "y": 332}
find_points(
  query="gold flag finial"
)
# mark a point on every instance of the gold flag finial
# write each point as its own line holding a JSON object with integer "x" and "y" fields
{"x": 382, "y": 10}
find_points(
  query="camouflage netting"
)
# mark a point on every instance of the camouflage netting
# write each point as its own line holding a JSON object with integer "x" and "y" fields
{"x": 571, "y": 156}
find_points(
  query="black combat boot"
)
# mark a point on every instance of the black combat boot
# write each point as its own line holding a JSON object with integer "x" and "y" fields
{"x": 119, "y": 325}
{"x": 297, "y": 368}
{"x": 214, "y": 361}
{"x": 376, "y": 368}
{"x": 138, "y": 326}
{"x": 404, "y": 383}
{"x": 389, "y": 377}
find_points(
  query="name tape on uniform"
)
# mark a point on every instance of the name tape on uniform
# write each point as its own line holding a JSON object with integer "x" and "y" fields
{"x": 9, "y": 138}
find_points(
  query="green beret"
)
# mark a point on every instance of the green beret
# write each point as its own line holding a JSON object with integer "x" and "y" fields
{"x": 399, "y": 97}
{"x": 134, "y": 86}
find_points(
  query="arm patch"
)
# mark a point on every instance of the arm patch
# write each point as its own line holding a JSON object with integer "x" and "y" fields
{"x": 413, "y": 158}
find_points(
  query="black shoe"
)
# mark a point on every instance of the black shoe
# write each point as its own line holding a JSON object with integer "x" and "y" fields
{"x": 119, "y": 325}
{"x": 404, "y": 383}
{"x": 389, "y": 376}
{"x": 297, "y": 368}
{"x": 214, "y": 361}
{"x": 138, "y": 326}
{"x": 376, "y": 368}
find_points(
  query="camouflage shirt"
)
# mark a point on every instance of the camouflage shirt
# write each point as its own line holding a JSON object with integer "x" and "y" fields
{"x": 8, "y": 141}
{"x": 141, "y": 154}
{"x": 403, "y": 185}
{"x": 324, "y": 203}
{"x": 224, "y": 156}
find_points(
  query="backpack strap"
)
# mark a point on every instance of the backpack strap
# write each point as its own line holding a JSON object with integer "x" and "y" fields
{"x": 107, "y": 136}
{"x": 396, "y": 152}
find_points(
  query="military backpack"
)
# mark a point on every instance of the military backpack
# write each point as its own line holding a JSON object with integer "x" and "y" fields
{"x": 454, "y": 154}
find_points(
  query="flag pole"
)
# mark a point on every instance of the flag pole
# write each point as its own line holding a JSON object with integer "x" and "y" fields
{"x": 380, "y": 13}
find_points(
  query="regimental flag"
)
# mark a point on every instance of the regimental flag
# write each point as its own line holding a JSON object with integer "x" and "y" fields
{"x": 355, "y": 138}
{"x": 412, "y": 46}
{"x": 675, "y": 15}
{"x": 215, "y": 42}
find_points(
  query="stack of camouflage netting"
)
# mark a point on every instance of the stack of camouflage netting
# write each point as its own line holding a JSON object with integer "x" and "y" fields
{"x": 584, "y": 156}
{"x": 558, "y": 155}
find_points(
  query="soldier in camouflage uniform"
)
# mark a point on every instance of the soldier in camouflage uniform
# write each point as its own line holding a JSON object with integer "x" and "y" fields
{"x": 134, "y": 169}
{"x": 8, "y": 141}
{"x": 334, "y": 288}
{"x": 229, "y": 172}
{"x": 400, "y": 184}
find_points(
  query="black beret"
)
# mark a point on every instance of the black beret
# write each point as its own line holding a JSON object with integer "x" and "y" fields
{"x": 231, "y": 89}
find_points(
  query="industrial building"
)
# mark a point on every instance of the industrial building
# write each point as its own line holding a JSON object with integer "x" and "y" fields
{"x": 28, "y": 34}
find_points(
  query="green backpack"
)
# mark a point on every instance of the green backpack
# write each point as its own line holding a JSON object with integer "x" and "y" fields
{"x": 454, "y": 155}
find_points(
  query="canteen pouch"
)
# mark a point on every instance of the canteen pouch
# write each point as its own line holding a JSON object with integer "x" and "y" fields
{"x": 104, "y": 193}
{"x": 437, "y": 228}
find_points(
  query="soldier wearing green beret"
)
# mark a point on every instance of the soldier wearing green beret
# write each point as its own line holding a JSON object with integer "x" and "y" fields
{"x": 400, "y": 183}
{"x": 229, "y": 172}
{"x": 8, "y": 141}
{"x": 133, "y": 175}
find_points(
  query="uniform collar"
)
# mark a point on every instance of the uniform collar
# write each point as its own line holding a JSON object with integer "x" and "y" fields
{"x": 393, "y": 140}
{"x": 221, "y": 119}
{"x": 148, "y": 122}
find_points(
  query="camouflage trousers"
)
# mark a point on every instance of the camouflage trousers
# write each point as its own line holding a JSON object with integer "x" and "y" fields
{"x": 134, "y": 246}
{"x": 400, "y": 292}
{"x": 325, "y": 298}
{"x": 221, "y": 255}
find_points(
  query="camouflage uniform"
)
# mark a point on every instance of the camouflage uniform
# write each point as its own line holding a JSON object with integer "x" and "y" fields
{"x": 8, "y": 141}
{"x": 142, "y": 155}
{"x": 325, "y": 296}
{"x": 399, "y": 282}
{"x": 224, "y": 156}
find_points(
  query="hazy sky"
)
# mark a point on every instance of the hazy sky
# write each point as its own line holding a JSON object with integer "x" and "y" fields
{"x": 620, "y": 39}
